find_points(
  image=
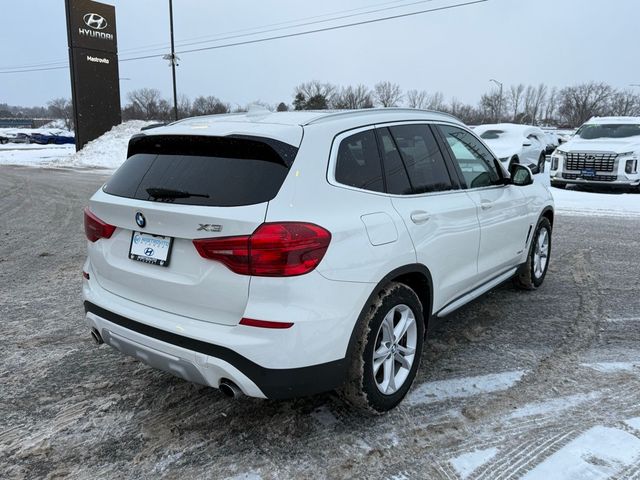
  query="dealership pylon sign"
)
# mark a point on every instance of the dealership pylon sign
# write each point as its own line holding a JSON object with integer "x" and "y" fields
{"x": 93, "y": 59}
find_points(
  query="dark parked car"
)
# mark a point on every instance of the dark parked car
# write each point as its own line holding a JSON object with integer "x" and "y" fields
{"x": 51, "y": 139}
{"x": 4, "y": 140}
{"x": 20, "y": 138}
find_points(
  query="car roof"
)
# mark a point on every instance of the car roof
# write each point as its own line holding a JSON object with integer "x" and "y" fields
{"x": 600, "y": 120}
{"x": 309, "y": 117}
{"x": 508, "y": 128}
{"x": 288, "y": 126}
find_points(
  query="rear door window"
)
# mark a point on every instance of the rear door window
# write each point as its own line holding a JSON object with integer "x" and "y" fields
{"x": 394, "y": 169}
{"x": 358, "y": 162}
{"x": 422, "y": 158}
{"x": 198, "y": 170}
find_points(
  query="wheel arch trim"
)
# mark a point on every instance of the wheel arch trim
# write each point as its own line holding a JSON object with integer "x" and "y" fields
{"x": 397, "y": 274}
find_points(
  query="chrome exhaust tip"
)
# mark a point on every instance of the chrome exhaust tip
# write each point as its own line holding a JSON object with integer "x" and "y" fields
{"x": 230, "y": 389}
{"x": 97, "y": 338}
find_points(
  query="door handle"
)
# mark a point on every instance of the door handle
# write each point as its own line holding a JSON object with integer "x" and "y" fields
{"x": 419, "y": 217}
{"x": 486, "y": 204}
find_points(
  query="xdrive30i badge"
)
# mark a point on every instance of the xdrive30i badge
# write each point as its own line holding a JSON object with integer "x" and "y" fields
{"x": 140, "y": 220}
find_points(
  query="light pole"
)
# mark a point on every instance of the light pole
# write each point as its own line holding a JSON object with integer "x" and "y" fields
{"x": 500, "y": 101}
{"x": 173, "y": 62}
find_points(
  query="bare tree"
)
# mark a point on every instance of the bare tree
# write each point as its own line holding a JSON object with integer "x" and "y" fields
{"x": 63, "y": 109}
{"x": 146, "y": 104}
{"x": 417, "y": 98}
{"x": 184, "y": 106}
{"x": 534, "y": 98}
{"x": 435, "y": 101}
{"x": 581, "y": 102}
{"x": 387, "y": 94}
{"x": 624, "y": 103}
{"x": 313, "y": 95}
{"x": 491, "y": 106}
{"x": 551, "y": 105}
{"x": 515, "y": 99}
{"x": 351, "y": 98}
{"x": 209, "y": 105}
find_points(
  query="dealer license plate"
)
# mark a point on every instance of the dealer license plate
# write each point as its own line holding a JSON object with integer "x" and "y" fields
{"x": 153, "y": 249}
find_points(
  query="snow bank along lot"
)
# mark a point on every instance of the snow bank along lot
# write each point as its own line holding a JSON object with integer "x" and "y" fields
{"x": 542, "y": 385}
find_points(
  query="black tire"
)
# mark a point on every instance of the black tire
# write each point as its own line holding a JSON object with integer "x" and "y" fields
{"x": 530, "y": 276}
{"x": 541, "y": 162}
{"x": 361, "y": 386}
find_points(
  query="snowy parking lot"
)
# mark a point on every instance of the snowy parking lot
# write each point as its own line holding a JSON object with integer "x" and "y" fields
{"x": 516, "y": 385}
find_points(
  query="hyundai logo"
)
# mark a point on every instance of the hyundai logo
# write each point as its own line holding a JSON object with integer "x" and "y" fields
{"x": 140, "y": 220}
{"x": 148, "y": 252}
{"x": 95, "y": 21}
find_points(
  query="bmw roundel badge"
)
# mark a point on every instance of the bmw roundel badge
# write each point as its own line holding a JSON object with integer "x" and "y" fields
{"x": 140, "y": 220}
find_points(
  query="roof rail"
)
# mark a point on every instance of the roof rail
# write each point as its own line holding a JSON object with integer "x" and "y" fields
{"x": 380, "y": 111}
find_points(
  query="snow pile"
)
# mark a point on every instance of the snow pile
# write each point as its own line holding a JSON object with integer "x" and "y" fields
{"x": 597, "y": 203}
{"x": 108, "y": 151}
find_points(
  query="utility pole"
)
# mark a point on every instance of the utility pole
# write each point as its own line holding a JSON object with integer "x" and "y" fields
{"x": 500, "y": 101}
{"x": 174, "y": 62}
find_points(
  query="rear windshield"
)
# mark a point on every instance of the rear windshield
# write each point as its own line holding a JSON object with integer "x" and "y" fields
{"x": 492, "y": 134}
{"x": 210, "y": 171}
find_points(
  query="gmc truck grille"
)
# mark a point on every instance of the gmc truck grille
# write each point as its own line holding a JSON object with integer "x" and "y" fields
{"x": 600, "y": 162}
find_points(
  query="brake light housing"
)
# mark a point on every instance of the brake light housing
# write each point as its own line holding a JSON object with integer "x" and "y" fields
{"x": 281, "y": 249}
{"x": 94, "y": 228}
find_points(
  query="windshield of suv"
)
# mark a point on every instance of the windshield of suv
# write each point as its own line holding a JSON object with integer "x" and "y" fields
{"x": 608, "y": 130}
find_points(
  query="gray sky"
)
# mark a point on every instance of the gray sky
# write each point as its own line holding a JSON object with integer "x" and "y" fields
{"x": 559, "y": 42}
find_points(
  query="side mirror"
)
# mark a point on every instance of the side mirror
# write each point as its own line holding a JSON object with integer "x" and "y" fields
{"x": 521, "y": 175}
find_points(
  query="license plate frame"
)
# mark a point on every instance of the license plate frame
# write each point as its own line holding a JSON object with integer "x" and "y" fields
{"x": 142, "y": 242}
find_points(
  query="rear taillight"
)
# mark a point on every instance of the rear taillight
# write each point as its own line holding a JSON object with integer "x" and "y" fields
{"x": 274, "y": 250}
{"x": 94, "y": 228}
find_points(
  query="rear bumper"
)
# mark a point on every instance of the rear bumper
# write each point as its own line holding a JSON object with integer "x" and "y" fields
{"x": 306, "y": 359}
{"x": 206, "y": 363}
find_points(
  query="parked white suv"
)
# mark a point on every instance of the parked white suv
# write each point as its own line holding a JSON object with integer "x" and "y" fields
{"x": 286, "y": 254}
{"x": 604, "y": 152}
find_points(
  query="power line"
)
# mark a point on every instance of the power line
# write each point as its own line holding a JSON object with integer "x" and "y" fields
{"x": 335, "y": 27}
{"x": 278, "y": 37}
{"x": 220, "y": 37}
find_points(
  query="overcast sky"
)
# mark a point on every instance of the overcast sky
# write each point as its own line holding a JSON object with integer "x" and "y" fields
{"x": 457, "y": 51}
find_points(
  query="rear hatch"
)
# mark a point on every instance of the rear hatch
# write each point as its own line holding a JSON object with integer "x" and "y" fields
{"x": 171, "y": 190}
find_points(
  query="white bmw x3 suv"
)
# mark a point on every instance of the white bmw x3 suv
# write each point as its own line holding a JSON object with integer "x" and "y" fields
{"x": 287, "y": 254}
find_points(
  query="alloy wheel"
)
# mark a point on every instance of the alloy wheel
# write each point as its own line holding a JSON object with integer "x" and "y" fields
{"x": 395, "y": 349}
{"x": 541, "y": 253}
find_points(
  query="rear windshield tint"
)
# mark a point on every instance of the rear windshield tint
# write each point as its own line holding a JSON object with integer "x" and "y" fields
{"x": 209, "y": 171}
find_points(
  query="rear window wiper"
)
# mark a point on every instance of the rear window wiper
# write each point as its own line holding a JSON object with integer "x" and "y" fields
{"x": 168, "y": 193}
